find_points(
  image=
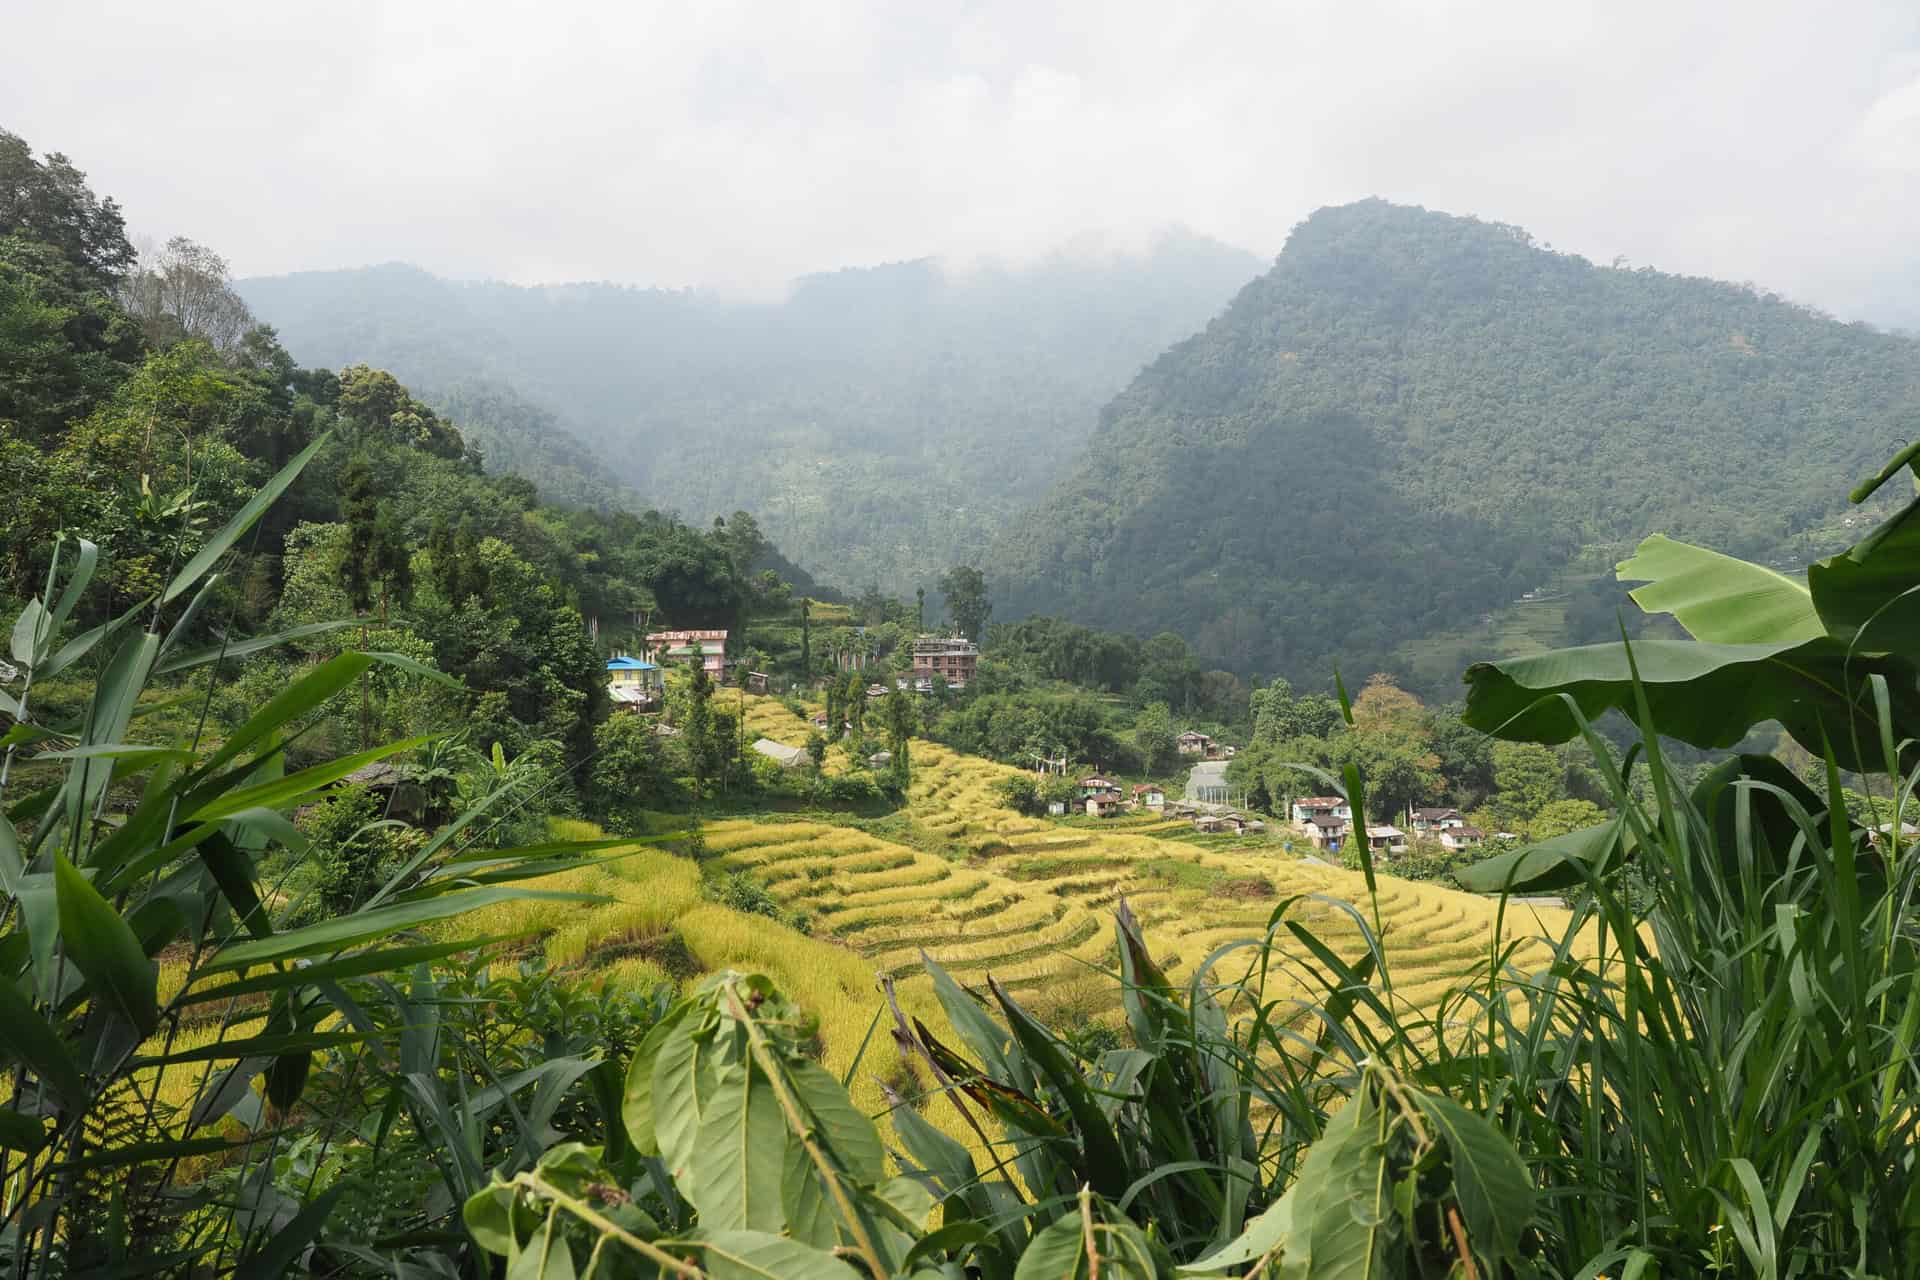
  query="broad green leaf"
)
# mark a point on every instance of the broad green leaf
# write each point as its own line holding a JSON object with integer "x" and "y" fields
{"x": 1867, "y": 595}
{"x": 347, "y": 931}
{"x": 280, "y": 1253}
{"x": 1708, "y": 695}
{"x": 1264, "y": 1236}
{"x": 732, "y": 1175}
{"x": 1060, "y": 1251}
{"x": 222, "y": 542}
{"x": 756, "y": 1255}
{"x": 105, "y": 950}
{"x": 30, "y": 632}
{"x": 1550, "y": 864}
{"x": 843, "y": 1127}
{"x": 1718, "y": 599}
{"x": 1489, "y": 1181}
{"x": 637, "y": 1107}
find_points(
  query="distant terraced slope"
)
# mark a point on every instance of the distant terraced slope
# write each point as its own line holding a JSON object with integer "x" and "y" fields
{"x": 1030, "y": 902}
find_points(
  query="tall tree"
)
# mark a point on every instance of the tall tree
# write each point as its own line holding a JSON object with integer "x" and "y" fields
{"x": 965, "y": 588}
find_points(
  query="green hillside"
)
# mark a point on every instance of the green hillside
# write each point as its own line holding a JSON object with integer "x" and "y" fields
{"x": 1414, "y": 420}
{"x": 884, "y": 421}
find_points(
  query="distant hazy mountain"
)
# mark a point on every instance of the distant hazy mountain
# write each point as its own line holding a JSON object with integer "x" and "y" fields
{"x": 881, "y": 422}
{"x": 1413, "y": 419}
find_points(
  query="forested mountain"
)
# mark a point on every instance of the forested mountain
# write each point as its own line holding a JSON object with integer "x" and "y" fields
{"x": 883, "y": 421}
{"x": 1414, "y": 418}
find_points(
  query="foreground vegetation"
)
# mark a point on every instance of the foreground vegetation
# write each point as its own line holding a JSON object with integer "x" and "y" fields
{"x": 306, "y": 961}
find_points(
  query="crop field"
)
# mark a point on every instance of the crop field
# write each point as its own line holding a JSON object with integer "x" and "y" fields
{"x": 1031, "y": 901}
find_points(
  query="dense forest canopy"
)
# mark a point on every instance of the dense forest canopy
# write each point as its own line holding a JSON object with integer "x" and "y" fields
{"x": 1414, "y": 419}
{"x": 882, "y": 421}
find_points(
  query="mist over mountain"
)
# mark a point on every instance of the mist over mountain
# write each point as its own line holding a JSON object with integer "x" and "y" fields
{"x": 1415, "y": 418}
{"x": 882, "y": 422}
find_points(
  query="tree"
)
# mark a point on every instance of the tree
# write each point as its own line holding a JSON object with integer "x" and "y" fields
{"x": 48, "y": 201}
{"x": 1153, "y": 737}
{"x": 362, "y": 509}
{"x": 186, "y": 293}
{"x": 919, "y": 609}
{"x": 817, "y": 751}
{"x": 806, "y": 638}
{"x": 629, "y": 772}
{"x": 965, "y": 589}
{"x": 899, "y": 733}
{"x": 697, "y": 733}
{"x": 1259, "y": 799}
{"x": 1526, "y": 778}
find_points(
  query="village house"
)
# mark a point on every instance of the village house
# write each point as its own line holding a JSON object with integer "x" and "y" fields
{"x": 683, "y": 646}
{"x": 1149, "y": 796}
{"x": 633, "y": 683}
{"x": 1461, "y": 837}
{"x": 1386, "y": 840}
{"x": 1096, "y": 785}
{"x": 1307, "y": 808}
{"x": 1104, "y": 805}
{"x": 1192, "y": 743}
{"x": 1324, "y": 833}
{"x": 952, "y": 658}
{"x": 1428, "y": 822}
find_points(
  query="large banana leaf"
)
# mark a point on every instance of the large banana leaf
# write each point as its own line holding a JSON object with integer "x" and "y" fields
{"x": 1718, "y": 599}
{"x": 1870, "y": 595}
{"x": 1708, "y": 695}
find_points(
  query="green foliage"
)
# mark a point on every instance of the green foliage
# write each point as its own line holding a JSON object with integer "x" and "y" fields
{"x": 1444, "y": 411}
{"x": 739, "y": 891}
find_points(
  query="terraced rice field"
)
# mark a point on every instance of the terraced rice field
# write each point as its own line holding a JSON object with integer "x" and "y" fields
{"x": 1031, "y": 901}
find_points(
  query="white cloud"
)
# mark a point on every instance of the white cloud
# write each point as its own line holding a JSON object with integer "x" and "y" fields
{"x": 739, "y": 144}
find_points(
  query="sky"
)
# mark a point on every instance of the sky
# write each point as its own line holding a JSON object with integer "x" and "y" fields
{"x": 735, "y": 145}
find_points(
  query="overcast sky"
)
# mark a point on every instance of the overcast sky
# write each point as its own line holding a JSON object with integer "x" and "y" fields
{"x": 737, "y": 145}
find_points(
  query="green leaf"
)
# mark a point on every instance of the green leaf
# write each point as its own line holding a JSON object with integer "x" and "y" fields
{"x": 1263, "y": 1236}
{"x": 733, "y": 1173}
{"x": 1718, "y": 599}
{"x": 281, "y": 792}
{"x": 636, "y": 1108}
{"x": 243, "y": 648}
{"x": 347, "y": 931}
{"x": 755, "y": 1255}
{"x": 105, "y": 950}
{"x": 21, "y": 1132}
{"x": 1060, "y": 1251}
{"x": 846, "y": 1130}
{"x": 1489, "y": 1181}
{"x": 1708, "y": 695}
{"x": 1867, "y": 594}
{"x": 359, "y": 964}
{"x": 31, "y": 1041}
{"x": 1103, "y": 1163}
{"x": 220, "y": 543}
{"x": 282, "y": 1250}
{"x": 1550, "y": 864}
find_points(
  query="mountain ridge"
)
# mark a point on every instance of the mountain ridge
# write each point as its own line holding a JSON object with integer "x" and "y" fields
{"x": 1414, "y": 418}
{"x": 881, "y": 421}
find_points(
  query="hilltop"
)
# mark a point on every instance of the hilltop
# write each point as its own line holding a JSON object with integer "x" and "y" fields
{"x": 882, "y": 421}
{"x": 1414, "y": 420}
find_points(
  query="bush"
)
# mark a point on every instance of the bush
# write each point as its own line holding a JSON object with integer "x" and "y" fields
{"x": 739, "y": 891}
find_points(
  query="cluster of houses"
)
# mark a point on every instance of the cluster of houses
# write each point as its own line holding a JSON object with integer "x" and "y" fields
{"x": 1102, "y": 797}
{"x": 635, "y": 682}
{"x": 1326, "y": 821}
